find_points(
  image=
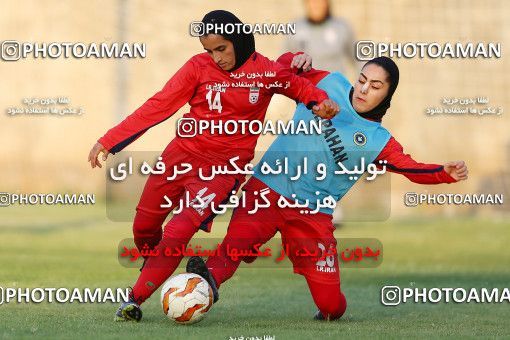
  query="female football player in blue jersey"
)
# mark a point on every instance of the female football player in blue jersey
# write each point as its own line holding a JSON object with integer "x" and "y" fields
{"x": 354, "y": 134}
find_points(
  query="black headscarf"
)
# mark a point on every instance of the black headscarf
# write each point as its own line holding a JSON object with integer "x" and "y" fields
{"x": 244, "y": 44}
{"x": 392, "y": 69}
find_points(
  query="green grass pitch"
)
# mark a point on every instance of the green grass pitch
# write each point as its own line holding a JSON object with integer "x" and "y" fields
{"x": 76, "y": 247}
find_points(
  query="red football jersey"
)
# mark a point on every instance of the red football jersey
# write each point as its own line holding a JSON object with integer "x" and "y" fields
{"x": 218, "y": 95}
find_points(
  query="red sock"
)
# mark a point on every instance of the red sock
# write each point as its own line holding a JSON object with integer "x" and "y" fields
{"x": 238, "y": 237}
{"x": 179, "y": 231}
{"x": 244, "y": 231}
{"x": 329, "y": 298}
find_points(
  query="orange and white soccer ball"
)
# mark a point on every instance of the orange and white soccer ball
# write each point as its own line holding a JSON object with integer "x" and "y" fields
{"x": 186, "y": 298}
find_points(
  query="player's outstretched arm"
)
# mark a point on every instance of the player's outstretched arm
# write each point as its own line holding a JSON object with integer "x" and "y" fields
{"x": 301, "y": 63}
{"x": 176, "y": 92}
{"x": 422, "y": 173}
{"x": 301, "y": 88}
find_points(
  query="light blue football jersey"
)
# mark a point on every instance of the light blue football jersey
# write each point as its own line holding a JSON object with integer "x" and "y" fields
{"x": 347, "y": 138}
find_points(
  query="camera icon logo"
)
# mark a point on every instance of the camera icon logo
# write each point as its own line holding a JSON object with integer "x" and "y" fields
{"x": 5, "y": 199}
{"x": 365, "y": 50}
{"x": 11, "y": 50}
{"x": 197, "y": 29}
{"x": 390, "y": 295}
{"x": 411, "y": 199}
{"x": 186, "y": 127}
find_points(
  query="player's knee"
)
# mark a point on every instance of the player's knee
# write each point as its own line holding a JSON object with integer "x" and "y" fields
{"x": 146, "y": 223}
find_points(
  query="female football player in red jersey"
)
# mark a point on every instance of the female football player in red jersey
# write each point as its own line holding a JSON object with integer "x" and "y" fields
{"x": 206, "y": 82}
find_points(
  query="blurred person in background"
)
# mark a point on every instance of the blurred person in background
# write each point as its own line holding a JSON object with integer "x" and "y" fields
{"x": 330, "y": 40}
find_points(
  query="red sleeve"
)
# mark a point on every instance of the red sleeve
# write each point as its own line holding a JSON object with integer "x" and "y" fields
{"x": 315, "y": 76}
{"x": 401, "y": 163}
{"x": 177, "y": 92}
{"x": 300, "y": 89}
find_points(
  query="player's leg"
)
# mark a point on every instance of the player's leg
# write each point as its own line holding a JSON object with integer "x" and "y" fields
{"x": 244, "y": 231}
{"x": 314, "y": 233}
{"x": 149, "y": 218}
{"x": 147, "y": 224}
{"x": 179, "y": 231}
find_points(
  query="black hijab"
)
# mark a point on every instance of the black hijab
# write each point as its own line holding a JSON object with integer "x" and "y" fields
{"x": 244, "y": 43}
{"x": 392, "y": 69}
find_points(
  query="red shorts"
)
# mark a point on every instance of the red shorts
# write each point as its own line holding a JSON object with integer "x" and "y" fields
{"x": 216, "y": 190}
{"x": 313, "y": 232}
